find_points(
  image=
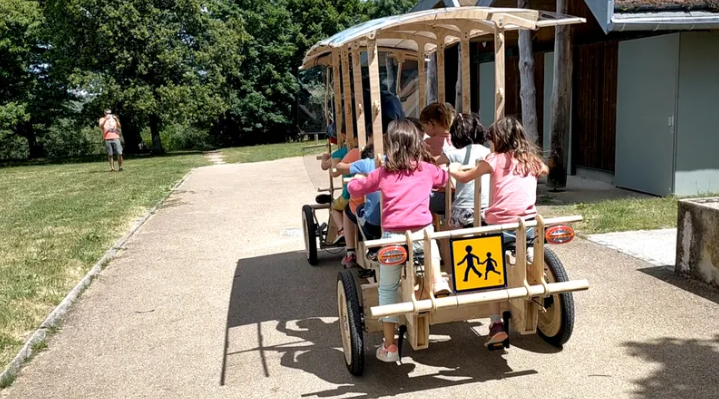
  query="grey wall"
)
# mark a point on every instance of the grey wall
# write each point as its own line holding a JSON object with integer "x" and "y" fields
{"x": 697, "y": 144}
{"x": 646, "y": 102}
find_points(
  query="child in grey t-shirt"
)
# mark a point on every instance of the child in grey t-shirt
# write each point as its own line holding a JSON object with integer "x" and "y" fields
{"x": 468, "y": 137}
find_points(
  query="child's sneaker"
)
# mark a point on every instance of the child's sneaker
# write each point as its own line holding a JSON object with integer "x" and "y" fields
{"x": 441, "y": 288}
{"x": 350, "y": 260}
{"x": 496, "y": 333}
{"x": 388, "y": 355}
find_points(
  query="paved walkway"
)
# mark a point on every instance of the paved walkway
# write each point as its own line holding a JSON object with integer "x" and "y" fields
{"x": 213, "y": 298}
{"x": 657, "y": 247}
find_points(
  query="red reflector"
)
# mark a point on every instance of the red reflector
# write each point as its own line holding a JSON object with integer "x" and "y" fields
{"x": 559, "y": 234}
{"x": 392, "y": 255}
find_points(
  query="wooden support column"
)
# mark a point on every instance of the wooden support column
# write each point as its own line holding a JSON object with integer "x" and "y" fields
{"x": 441, "y": 85}
{"x": 373, "y": 63}
{"x": 466, "y": 91}
{"x": 359, "y": 107}
{"x": 499, "y": 74}
{"x": 398, "y": 82}
{"x": 337, "y": 95}
{"x": 422, "y": 69}
{"x": 347, "y": 93}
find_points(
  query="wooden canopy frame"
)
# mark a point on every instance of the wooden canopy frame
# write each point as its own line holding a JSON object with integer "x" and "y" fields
{"x": 415, "y": 36}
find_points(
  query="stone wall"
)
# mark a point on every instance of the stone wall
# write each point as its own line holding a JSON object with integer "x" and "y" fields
{"x": 698, "y": 239}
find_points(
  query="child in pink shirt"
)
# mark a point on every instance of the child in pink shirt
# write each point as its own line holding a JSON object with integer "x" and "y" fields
{"x": 405, "y": 181}
{"x": 513, "y": 166}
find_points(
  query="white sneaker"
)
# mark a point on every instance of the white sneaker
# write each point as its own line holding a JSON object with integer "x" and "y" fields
{"x": 530, "y": 254}
{"x": 388, "y": 355}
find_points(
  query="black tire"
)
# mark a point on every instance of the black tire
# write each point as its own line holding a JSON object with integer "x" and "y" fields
{"x": 308, "y": 223}
{"x": 350, "y": 322}
{"x": 559, "y": 305}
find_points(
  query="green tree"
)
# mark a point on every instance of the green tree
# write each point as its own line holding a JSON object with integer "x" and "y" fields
{"x": 154, "y": 61}
{"x": 30, "y": 98}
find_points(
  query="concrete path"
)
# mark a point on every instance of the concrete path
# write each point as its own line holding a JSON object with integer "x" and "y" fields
{"x": 213, "y": 298}
{"x": 657, "y": 247}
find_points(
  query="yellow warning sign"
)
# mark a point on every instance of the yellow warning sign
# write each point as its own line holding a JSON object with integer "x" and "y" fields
{"x": 478, "y": 263}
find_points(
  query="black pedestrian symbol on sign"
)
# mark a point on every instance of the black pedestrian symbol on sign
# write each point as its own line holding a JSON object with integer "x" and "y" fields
{"x": 491, "y": 266}
{"x": 470, "y": 263}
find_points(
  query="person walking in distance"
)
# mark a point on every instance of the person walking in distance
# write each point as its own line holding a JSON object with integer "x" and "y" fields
{"x": 110, "y": 126}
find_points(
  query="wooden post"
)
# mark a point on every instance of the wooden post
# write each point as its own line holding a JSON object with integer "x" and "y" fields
{"x": 499, "y": 74}
{"x": 389, "y": 70}
{"x": 373, "y": 63}
{"x": 347, "y": 92}
{"x": 441, "y": 88}
{"x": 337, "y": 95}
{"x": 431, "y": 79}
{"x": 421, "y": 66}
{"x": 465, "y": 56}
{"x": 561, "y": 98}
{"x": 359, "y": 90}
{"x": 398, "y": 81}
{"x": 528, "y": 91}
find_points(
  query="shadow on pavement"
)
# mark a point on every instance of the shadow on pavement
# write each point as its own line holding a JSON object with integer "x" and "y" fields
{"x": 686, "y": 368}
{"x": 695, "y": 287}
{"x": 301, "y": 298}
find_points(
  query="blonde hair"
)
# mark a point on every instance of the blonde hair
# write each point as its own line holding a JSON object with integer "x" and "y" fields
{"x": 441, "y": 114}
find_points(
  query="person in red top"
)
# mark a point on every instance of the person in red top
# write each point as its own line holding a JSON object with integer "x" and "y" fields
{"x": 110, "y": 126}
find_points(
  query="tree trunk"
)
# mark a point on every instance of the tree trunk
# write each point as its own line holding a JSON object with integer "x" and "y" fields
{"x": 155, "y": 131}
{"x": 528, "y": 91}
{"x": 131, "y": 135}
{"x": 561, "y": 96}
{"x": 26, "y": 130}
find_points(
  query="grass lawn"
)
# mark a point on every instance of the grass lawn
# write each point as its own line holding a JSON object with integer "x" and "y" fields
{"x": 618, "y": 214}
{"x": 58, "y": 220}
{"x": 270, "y": 152}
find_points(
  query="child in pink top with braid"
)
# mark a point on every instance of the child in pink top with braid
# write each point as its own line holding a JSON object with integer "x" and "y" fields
{"x": 405, "y": 181}
{"x": 514, "y": 167}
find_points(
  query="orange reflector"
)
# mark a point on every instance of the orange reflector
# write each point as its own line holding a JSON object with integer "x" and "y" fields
{"x": 392, "y": 255}
{"x": 559, "y": 234}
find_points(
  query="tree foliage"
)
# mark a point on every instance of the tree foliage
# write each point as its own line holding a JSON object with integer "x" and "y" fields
{"x": 229, "y": 67}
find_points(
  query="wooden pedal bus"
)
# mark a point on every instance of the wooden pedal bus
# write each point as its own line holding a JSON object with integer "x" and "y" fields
{"x": 536, "y": 297}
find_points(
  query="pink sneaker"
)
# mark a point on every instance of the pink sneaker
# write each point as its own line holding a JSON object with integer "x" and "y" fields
{"x": 349, "y": 261}
{"x": 496, "y": 333}
{"x": 388, "y": 355}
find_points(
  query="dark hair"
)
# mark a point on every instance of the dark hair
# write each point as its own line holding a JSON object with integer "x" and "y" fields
{"x": 405, "y": 148}
{"x": 466, "y": 130}
{"x": 508, "y": 136}
{"x": 368, "y": 151}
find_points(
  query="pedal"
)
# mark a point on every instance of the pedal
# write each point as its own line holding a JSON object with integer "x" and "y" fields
{"x": 365, "y": 273}
{"x": 498, "y": 345}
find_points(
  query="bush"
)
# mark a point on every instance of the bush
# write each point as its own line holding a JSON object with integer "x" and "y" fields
{"x": 178, "y": 137}
{"x": 13, "y": 146}
{"x": 65, "y": 138}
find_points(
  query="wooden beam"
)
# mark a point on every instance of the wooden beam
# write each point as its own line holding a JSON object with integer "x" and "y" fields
{"x": 398, "y": 82}
{"x": 466, "y": 91}
{"x": 422, "y": 71}
{"x": 347, "y": 92}
{"x": 358, "y": 97}
{"x": 376, "y": 107}
{"x": 441, "y": 85}
{"x": 337, "y": 95}
{"x": 499, "y": 91}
